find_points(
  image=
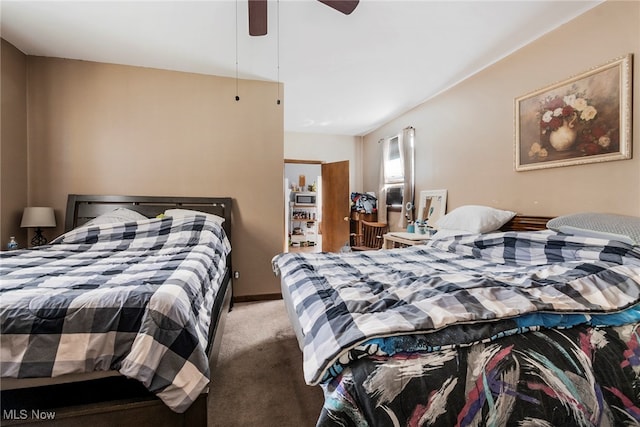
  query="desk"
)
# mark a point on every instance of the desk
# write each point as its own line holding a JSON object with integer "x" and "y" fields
{"x": 403, "y": 238}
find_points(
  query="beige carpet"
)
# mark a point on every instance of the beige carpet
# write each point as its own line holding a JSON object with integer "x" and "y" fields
{"x": 258, "y": 380}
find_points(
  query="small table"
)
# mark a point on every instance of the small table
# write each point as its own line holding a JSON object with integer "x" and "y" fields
{"x": 403, "y": 238}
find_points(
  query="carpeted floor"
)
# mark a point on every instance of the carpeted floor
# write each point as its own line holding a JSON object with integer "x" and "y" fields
{"x": 258, "y": 380}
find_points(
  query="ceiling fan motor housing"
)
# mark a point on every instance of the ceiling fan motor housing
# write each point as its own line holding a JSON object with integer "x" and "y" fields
{"x": 258, "y": 13}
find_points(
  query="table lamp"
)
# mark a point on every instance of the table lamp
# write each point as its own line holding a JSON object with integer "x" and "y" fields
{"x": 38, "y": 217}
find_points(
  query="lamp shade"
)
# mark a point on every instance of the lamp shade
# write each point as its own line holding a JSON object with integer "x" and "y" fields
{"x": 38, "y": 217}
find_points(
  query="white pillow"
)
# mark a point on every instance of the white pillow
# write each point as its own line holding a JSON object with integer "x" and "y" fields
{"x": 116, "y": 215}
{"x": 443, "y": 233}
{"x": 181, "y": 213}
{"x": 475, "y": 219}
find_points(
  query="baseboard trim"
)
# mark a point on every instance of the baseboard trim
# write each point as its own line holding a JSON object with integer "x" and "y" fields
{"x": 260, "y": 297}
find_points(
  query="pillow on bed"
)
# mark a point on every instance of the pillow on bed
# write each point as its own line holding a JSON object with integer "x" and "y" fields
{"x": 116, "y": 215}
{"x": 475, "y": 219}
{"x": 179, "y": 213}
{"x": 622, "y": 228}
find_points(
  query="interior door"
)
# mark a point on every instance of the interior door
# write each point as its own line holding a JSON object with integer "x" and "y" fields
{"x": 336, "y": 205}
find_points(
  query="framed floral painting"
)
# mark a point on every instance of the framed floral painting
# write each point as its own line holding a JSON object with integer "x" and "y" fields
{"x": 584, "y": 119}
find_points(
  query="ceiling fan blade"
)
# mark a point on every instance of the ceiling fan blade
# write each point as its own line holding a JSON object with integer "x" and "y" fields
{"x": 257, "y": 17}
{"x": 344, "y": 6}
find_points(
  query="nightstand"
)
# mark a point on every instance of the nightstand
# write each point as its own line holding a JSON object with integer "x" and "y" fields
{"x": 402, "y": 238}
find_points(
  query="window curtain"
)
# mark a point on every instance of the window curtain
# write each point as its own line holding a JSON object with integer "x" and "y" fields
{"x": 382, "y": 185}
{"x": 408, "y": 163}
{"x": 406, "y": 142}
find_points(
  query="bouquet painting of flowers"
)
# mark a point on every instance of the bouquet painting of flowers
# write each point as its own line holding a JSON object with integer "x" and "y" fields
{"x": 585, "y": 119}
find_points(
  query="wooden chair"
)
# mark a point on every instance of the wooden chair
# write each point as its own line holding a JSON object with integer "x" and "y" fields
{"x": 371, "y": 236}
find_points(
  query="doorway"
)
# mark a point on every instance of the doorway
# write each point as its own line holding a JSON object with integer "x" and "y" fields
{"x": 317, "y": 205}
{"x": 303, "y": 205}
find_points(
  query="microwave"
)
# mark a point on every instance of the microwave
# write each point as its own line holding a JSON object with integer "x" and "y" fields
{"x": 304, "y": 199}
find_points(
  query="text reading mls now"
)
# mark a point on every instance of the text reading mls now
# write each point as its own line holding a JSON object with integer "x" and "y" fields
{"x": 24, "y": 414}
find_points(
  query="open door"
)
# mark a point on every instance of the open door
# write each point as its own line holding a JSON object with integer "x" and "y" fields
{"x": 336, "y": 205}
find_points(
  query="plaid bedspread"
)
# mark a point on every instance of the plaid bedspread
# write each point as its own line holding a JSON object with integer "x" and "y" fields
{"x": 343, "y": 300}
{"x": 133, "y": 297}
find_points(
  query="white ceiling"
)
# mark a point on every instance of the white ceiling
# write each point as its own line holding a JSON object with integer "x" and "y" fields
{"x": 342, "y": 74}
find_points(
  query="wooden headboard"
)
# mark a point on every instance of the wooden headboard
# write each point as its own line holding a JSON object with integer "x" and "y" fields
{"x": 82, "y": 208}
{"x": 526, "y": 223}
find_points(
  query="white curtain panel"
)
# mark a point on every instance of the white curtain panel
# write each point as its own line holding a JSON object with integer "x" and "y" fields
{"x": 408, "y": 161}
{"x": 382, "y": 187}
{"x": 406, "y": 145}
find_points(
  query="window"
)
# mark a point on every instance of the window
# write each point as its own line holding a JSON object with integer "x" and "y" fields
{"x": 396, "y": 179}
{"x": 393, "y": 172}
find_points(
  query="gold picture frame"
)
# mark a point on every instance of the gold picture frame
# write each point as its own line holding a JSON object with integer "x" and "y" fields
{"x": 584, "y": 119}
{"x": 432, "y": 206}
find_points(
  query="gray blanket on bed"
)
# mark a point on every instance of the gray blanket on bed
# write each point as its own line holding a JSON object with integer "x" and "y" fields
{"x": 133, "y": 297}
{"x": 342, "y": 300}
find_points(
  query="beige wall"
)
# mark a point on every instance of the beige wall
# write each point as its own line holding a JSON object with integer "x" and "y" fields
{"x": 97, "y": 128}
{"x": 465, "y": 136}
{"x": 13, "y": 143}
{"x": 100, "y": 128}
{"x": 327, "y": 148}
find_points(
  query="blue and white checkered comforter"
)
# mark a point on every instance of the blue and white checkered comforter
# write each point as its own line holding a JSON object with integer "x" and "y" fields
{"x": 133, "y": 297}
{"x": 345, "y": 300}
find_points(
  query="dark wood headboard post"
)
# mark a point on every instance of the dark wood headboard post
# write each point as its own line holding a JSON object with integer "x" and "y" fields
{"x": 82, "y": 208}
{"x": 526, "y": 223}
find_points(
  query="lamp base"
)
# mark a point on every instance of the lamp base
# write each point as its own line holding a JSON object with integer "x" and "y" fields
{"x": 38, "y": 239}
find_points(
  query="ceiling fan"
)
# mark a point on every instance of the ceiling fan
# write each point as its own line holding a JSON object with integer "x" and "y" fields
{"x": 258, "y": 13}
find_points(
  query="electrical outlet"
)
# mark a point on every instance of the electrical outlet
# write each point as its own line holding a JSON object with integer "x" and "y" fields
{"x": 236, "y": 274}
